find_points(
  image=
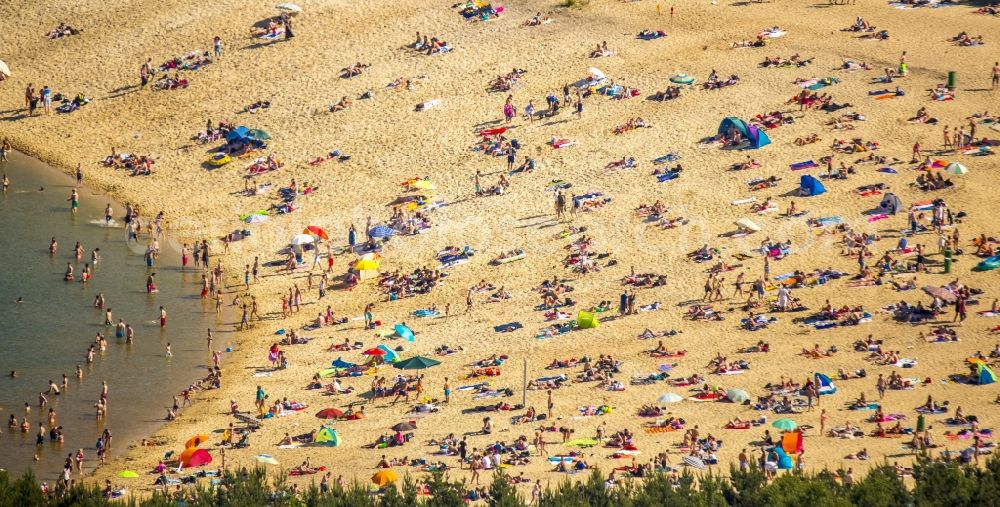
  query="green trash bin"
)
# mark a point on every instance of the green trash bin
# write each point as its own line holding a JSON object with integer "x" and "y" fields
{"x": 951, "y": 80}
{"x": 947, "y": 261}
{"x": 921, "y": 423}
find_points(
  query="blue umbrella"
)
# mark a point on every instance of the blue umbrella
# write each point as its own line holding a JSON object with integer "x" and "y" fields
{"x": 341, "y": 364}
{"x": 381, "y": 231}
{"x": 404, "y": 332}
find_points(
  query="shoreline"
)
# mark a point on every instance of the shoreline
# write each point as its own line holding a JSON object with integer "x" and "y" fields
{"x": 120, "y": 255}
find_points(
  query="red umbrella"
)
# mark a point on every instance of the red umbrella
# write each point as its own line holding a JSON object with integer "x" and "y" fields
{"x": 374, "y": 352}
{"x": 318, "y": 231}
{"x": 329, "y": 413}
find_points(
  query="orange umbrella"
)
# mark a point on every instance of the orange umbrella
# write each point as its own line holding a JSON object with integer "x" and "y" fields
{"x": 196, "y": 440}
{"x": 384, "y": 477}
{"x": 318, "y": 231}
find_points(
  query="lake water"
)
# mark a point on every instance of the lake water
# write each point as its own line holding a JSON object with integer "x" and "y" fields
{"x": 49, "y": 333}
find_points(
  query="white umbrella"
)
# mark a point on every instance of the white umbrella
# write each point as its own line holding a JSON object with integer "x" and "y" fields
{"x": 289, "y": 8}
{"x": 693, "y": 462}
{"x": 747, "y": 224}
{"x": 596, "y": 73}
{"x": 956, "y": 168}
{"x": 4, "y": 69}
{"x": 302, "y": 239}
{"x": 669, "y": 398}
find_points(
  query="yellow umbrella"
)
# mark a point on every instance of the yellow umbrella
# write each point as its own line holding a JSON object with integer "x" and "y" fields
{"x": 196, "y": 440}
{"x": 366, "y": 265}
{"x": 384, "y": 477}
{"x": 424, "y": 185}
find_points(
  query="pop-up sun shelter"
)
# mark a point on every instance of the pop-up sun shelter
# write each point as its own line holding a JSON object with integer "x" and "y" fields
{"x": 824, "y": 384}
{"x": 757, "y": 137}
{"x": 810, "y": 186}
{"x": 890, "y": 204}
{"x": 984, "y": 375}
{"x": 327, "y": 436}
{"x": 586, "y": 320}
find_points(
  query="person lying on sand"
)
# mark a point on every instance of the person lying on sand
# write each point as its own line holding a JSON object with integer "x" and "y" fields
{"x": 601, "y": 51}
{"x": 342, "y": 105}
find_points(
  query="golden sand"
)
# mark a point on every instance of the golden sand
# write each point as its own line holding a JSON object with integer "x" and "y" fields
{"x": 390, "y": 142}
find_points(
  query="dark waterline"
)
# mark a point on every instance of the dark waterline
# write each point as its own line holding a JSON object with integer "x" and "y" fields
{"x": 49, "y": 333}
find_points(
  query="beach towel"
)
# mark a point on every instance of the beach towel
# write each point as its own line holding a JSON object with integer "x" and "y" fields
{"x": 669, "y": 157}
{"x": 508, "y": 327}
{"x": 887, "y": 170}
{"x": 470, "y": 387}
{"x": 806, "y": 164}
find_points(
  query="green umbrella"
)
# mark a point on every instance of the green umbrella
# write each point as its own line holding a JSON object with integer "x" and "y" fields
{"x": 259, "y": 134}
{"x": 785, "y": 424}
{"x": 127, "y": 474}
{"x": 416, "y": 363}
{"x": 737, "y": 395}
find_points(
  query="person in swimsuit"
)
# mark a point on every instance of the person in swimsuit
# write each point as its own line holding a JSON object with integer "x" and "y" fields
{"x": 74, "y": 199}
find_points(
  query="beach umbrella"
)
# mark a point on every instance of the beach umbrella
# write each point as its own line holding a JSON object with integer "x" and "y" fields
{"x": 258, "y": 134}
{"x": 404, "y": 332}
{"x": 417, "y": 363}
{"x": 694, "y": 462}
{"x": 318, "y": 231}
{"x": 341, "y": 364}
{"x": 424, "y": 185}
{"x": 404, "y": 426}
{"x": 266, "y": 458}
{"x": 956, "y": 168}
{"x": 127, "y": 474}
{"x": 669, "y": 398}
{"x": 290, "y": 8}
{"x": 375, "y": 351}
{"x": 329, "y": 413}
{"x": 366, "y": 265}
{"x": 747, "y": 224}
{"x": 596, "y": 73}
{"x": 196, "y": 440}
{"x": 194, "y": 457}
{"x": 785, "y": 424}
{"x": 302, "y": 239}
{"x": 381, "y": 231}
{"x": 4, "y": 69}
{"x": 737, "y": 395}
{"x": 382, "y": 478}
{"x": 255, "y": 219}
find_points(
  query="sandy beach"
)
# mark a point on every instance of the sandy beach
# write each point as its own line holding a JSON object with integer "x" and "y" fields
{"x": 388, "y": 142}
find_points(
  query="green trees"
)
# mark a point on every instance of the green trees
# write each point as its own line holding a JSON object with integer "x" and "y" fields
{"x": 935, "y": 483}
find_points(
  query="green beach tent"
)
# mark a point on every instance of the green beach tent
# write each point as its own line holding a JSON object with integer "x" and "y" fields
{"x": 327, "y": 436}
{"x": 586, "y": 320}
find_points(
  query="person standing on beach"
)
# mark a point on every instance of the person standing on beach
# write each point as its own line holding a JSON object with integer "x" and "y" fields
{"x": 46, "y": 94}
{"x": 288, "y": 26}
{"x": 217, "y": 45}
{"x": 995, "y": 78}
{"x": 5, "y": 149}
{"x": 145, "y": 71}
{"x": 74, "y": 199}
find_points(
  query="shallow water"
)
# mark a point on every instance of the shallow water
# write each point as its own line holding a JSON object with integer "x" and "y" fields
{"x": 49, "y": 334}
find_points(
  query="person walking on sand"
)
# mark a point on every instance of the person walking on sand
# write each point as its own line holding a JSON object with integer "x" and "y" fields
{"x": 995, "y": 78}
{"x": 217, "y": 45}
